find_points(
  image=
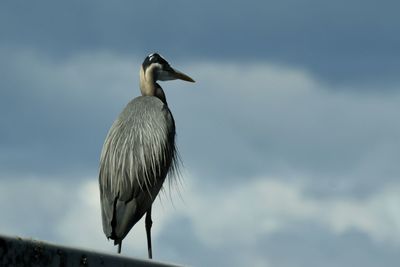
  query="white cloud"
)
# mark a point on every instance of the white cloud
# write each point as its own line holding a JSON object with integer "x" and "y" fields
{"x": 29, "y": 205}
{"x": 70, "y": 214}
{"x": 265, "y": 205}
{"x": 61, "y": 211}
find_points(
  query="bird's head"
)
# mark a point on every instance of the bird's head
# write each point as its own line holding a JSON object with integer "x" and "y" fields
{"x": 156, "y": 68}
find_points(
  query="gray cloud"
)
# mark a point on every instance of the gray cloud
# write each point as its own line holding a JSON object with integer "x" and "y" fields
{"x": 287, "y": 124}
{"x": 343, "y": 41}
{"x": 56, "y": 115}
{"x": 181, "y": 231}
{"x": 303, "y": 245}
{"x": 312, "y": 245}
{"x": 278, "y": 227}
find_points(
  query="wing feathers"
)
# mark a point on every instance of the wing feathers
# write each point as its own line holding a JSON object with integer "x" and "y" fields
{"x": 136, "y": 157}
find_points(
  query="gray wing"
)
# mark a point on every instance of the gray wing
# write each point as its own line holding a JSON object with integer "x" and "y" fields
{"x": 136, "y": 157}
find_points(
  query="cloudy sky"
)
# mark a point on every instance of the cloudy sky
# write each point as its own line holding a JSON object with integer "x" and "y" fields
{"x": 289, "y": 137}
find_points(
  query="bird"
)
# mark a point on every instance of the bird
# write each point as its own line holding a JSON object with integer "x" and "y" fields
{"x": 138, "y": 153}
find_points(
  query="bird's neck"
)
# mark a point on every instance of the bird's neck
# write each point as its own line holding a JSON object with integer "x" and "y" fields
{"x": 159, "y": 92}
{"x": 149, "y": 87}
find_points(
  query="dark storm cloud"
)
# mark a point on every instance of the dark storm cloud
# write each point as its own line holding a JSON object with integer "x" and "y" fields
{"x": 340, "y": 41}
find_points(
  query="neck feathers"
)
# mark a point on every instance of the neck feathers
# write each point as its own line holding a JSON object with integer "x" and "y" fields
{"x": 148, "y": 85}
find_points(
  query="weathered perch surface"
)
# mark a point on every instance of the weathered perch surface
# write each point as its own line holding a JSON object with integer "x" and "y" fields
{"x": 18, "y": 252}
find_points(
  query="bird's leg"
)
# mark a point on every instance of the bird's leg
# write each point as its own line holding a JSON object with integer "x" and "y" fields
{"x": 119, "y": 247}
{"x": 149, "y": 223}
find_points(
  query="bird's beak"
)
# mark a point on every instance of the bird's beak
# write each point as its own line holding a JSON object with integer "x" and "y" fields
{"x": 179, "y": 75}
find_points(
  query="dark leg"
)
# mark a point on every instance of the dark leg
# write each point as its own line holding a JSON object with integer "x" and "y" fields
{"x": 119, "y": 247}
{"x": 149, "y": 223}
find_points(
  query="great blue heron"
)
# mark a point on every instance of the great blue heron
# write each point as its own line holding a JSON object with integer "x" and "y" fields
{"x": 137, "y": 154}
